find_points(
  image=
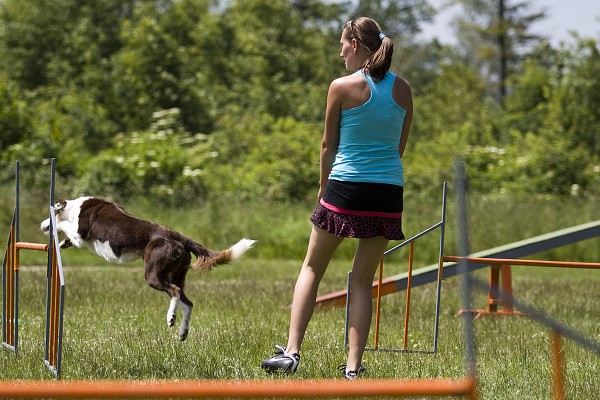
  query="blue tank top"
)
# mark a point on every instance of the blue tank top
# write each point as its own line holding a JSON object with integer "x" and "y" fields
{"x": 370, "y": 137}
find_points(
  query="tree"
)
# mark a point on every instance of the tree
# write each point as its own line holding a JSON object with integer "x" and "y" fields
{"x": 15, "y": 115}
{"x": 279, "y": 64}
{"x": 495, "y": 36}
{"x": 397, "y": 17}
{"x": 45, "y": 42}
{"x": 148, "y": 72}
{"x": 198, "y": 96}
{"x": 574, "y": 111}
{"x": 527, "y": 104}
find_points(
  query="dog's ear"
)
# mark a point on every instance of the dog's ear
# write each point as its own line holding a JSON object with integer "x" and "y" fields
{"x": 59, "y": 206}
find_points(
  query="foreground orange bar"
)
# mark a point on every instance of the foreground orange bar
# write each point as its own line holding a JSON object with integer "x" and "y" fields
{"x": 32, "y": 246}
{"x": 531, "y": 263}
{"x": 223, "y": 388}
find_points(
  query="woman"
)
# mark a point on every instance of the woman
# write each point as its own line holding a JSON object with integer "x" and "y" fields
{"x": 367, "y": 122}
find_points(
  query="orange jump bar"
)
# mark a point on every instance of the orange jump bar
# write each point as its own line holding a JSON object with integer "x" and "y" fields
{"x": 531, "y": 263}
{"x": 247, "y": 389}
{"x": 32, "y": 246}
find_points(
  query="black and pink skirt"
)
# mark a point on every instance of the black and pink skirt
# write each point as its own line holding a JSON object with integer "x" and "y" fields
{"x": 361, "y": 210}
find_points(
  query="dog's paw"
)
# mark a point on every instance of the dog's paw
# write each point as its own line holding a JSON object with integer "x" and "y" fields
{"x": 66, "y": 243}
{"x": 171, "y": 318}
{"x": 183, "y": 334}
{"x": 45, "y": 226}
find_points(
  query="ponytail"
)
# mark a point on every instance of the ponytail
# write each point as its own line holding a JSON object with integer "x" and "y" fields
{"x": 378, "y": 46}
{"x": 381, "y": 61}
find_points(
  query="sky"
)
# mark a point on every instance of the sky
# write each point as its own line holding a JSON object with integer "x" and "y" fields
{"x": 562, "y": 16}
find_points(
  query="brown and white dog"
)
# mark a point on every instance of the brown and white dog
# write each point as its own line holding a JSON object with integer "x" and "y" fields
{"x": 110, "y": 232}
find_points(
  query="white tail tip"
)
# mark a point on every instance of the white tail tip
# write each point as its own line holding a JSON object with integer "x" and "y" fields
{"x": 241, "y": 247}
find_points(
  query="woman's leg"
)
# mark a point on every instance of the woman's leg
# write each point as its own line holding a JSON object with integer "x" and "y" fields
{"x": 367, "y": 257}
{"x": 321, "y": 247}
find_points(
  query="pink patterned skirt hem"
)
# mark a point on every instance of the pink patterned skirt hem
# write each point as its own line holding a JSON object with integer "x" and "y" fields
{"x": 357, "y": 226}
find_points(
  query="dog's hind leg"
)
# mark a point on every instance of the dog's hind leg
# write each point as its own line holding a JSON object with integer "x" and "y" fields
{"x": 172, "y": 313}
{"x": 186, "y": 307}
{"x": 173, "y": 291}
{"x": 178, "y": 279}
{"x": 163, "y": 270}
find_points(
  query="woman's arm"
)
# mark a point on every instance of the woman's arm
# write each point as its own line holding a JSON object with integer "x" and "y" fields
{"x": 403, "y": 96}
{"x": 331, "y": 134}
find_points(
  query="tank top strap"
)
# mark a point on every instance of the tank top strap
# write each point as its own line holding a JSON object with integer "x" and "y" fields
{"x": 381, "y": 91}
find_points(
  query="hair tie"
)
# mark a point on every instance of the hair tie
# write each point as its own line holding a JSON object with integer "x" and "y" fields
{"x": 381, "y": 35}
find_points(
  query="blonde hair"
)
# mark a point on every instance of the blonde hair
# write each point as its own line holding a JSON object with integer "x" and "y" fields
{"x": 378, "y": 47}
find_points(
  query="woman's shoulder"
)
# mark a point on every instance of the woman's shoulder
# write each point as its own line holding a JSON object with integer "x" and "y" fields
{"x": 401, "y": 87}
{"x": 350, "y": 86}
{"x": 352, "y": 83}
{"x": 348, "y": 81}
{"x": 402, "y": 92}
{"x": 401, "y": 82}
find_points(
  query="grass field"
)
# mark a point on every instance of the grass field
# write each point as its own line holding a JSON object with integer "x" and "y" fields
{"x": 115, "y": 325}
{"x": 115, "y": 328}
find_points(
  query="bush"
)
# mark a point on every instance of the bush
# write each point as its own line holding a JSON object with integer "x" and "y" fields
{"x": 163, "y": 162}
{"x": 263, "y": 158}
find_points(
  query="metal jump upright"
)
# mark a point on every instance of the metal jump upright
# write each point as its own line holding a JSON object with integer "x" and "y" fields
{"x": 441, "y": 225}
{"x": 55, "y": 284}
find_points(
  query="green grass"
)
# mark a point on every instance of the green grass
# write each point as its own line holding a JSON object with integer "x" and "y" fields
{"x": 115, "y": 328}
{"x": 115, "y": 325}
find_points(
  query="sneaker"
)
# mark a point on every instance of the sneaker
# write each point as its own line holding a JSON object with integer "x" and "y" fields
{"x": 281, "y": 361}
{"x": 352, "y": 374}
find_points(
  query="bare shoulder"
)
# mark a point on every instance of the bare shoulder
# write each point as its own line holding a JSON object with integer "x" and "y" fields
{"x": 402, "y": 86}
{"x": 348, "y": 82}
{"x": 351, "y": 90}
{"x": 402, "y": 92}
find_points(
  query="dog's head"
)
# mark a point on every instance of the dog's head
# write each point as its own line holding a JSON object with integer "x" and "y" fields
{"x": 59, "y": 208}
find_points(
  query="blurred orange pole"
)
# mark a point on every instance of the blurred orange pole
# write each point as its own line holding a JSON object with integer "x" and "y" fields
{"x": 408, "y": 288}
{"x": 240, "y": 389}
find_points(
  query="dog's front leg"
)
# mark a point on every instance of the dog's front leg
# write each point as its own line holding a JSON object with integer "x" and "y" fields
{"x": 45, "y": 226}
{"x": 70, "y": 230}
{"x": 65, "y": 243}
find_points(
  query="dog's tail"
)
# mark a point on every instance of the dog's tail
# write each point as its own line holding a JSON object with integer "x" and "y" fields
{"x": 211, "y": 258}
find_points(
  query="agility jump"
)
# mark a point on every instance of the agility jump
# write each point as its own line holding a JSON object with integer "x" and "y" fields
{"x": 499, "y": 259}
{"x": 379, "y": 289}
{"x": 55, "y": 285}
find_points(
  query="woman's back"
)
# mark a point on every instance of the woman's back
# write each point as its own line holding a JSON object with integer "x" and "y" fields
{"x": 370, "y": 132}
